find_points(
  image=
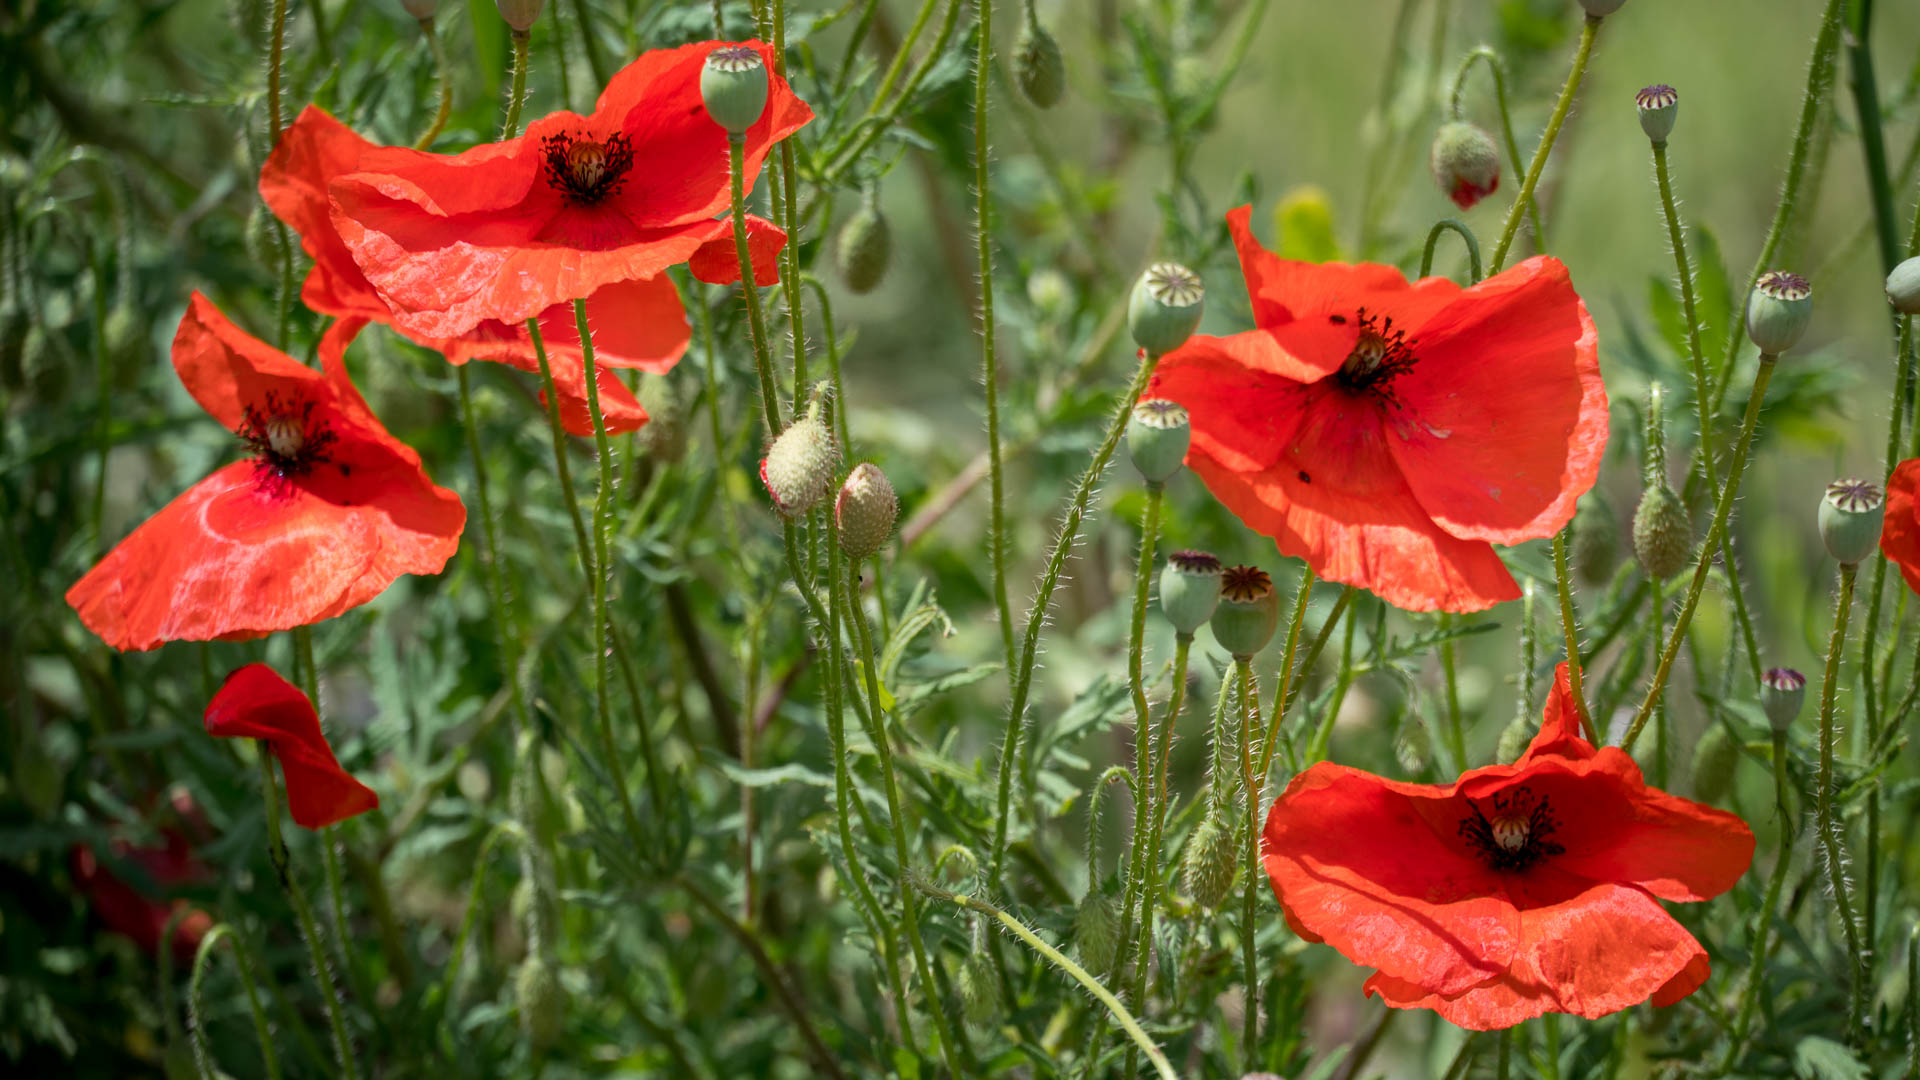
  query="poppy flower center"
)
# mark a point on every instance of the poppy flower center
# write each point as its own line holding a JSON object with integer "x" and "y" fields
{"x": 1380, "y": 355}
{"x": 587, "y": 170}
{"x": 1516, "y": 835}
{"x": 286, "y": 441}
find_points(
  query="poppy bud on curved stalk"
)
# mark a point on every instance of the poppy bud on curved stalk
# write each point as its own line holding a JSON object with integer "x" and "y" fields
{"x": 979, "y": 991}
{"x": 1190, "y": 590}
{"x": 1096, "y": 932}
{"x": 798, "y": 468}
{"x": 1038, "y": 66}
{"x": 1782, "y": 692}
{"x": 1157, "y": 439}
{"x": 1165, "y": 307}
{"x": 1903, "y": 287}
{"x": 1778, "y": 311}
{"x": 1465, "y": 162}
{"x": 1249, "y": 611}
{"x": 863, "y": 246}
{"x": 733, "y": 86}
{"x": 518, "y": 14}
{"x": 865, "y": 511}
{"x": 1851, "y": 515}
{"x": 1598, "y": 8}
{"x": 1659, "y": 107}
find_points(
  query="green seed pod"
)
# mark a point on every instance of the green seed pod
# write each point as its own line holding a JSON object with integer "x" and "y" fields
{"x": 1662, "y": 533}
{"x": 1778, "y": 312}
{"x": 1190, "y": 590}
{"x": 979, "y": 991}
{"x": 1514, "y": 739}
{"x": 1782, "y": 692}
{"x": 1851, "y": 515}
{"x": 865, "y": 511}
{"x": 1659, "y": 107}
{"x": 1249, "y": 611}
{"x": 1714, "y": 759}
{"x": 1212, "y": 858}
{"x": 733, "y": 85}
{"x": 1465, "y": 162}
{"x": 1096, "y": 932}
{"x": 1596, "y": 540}
{"x": 863, "y": 247}
{"x": 798, "y": 469}
{"x": 1157, "y": 439}
{"x": 541, "y": 1001}
{"x": 1038, "y": 66}
{"x": 520, "y": 14}
{"x": 1165, "y": 307}
{"x": 1903, "y": 287}
{"x": 1599, "y": 8}
{"x": 664, "y": 436}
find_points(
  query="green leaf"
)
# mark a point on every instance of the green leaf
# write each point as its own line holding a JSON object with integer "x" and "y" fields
{"x": 1815, "y": 1058}
{"x": 953, "y": 680}
{"x": 1713, "y": 294}
{"x": 1668, "y": 317}
{"x": 779, "y": 774}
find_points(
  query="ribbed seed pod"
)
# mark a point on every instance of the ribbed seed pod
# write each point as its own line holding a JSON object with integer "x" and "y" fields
{"x": 1212, "y": 858}
{"x": 1778, "y": 311}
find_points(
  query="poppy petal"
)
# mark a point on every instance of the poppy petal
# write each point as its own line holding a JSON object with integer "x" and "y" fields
{"x": 1674, "y": 848}
{"x": 1561, "y": 734}
{"x": 718, "y": 261}
{"x": 1505, "y": 417}
{"x": 1284, "y": 291}
{"x": 619, "y": 409}
{"x": 1900, "y": 533}
{"x": 314, "y": 150}
{"x": 256, "y": 703}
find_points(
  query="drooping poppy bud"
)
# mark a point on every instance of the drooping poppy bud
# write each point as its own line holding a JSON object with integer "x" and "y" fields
{"x": 733, "y": 86}
{"x": 1165, "y": 307}
{"x": 1595, "y": 547}
{"x": 1096, "y": 932}
{"x": 1465, "y": 162}
{"x": 1662, "y": 533}
{"x": 798, "y": 468}
{"x": 1659, "y": 107}
{"x": 1157, "y": 439}
{"x": 863, "y": 247}
{"x": 1514, "y": 739}
{"x": 1903, "y": 287}
{"x": 1038, "y": 66}
{"x": 979, "y": 991}
{"x": 1778, "y": 312}
{"x": 1212, "y": 858}
{"x": 865, "y": 511}
{"x": 1413, "y": 744}
{"x": 1600, "y": 8}
{"x": 1714, "y": 759}
{"x": 520, "y": 14}
{"x": 1190, "y": 590}
{"x": 541, "y": 1002}
{"x": 1249, "y": 611}
{"x": 1782, "y": 692}
{"x": 664, "y": 437}
{"x": 1851, "y": 515}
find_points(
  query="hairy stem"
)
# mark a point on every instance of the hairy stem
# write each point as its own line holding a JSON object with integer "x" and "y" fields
{"x": 1545, "y": 149}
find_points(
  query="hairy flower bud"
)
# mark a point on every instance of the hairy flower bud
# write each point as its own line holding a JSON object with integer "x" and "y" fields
{"x": 1662, "y": 533}
{"x": 1903, "y": 287}
{"x": 1157, "y": 438}
{"x": 1782, "y": 692}
{"x": 541, "y": 1002}
{"x": 863, "y": 247}
{"x": 1249, "y": 611}
{"x": 1778, "y": 311}
{"x": 979, "y": 991}
{"x": 1165, "y": 307}
{"x": 1212, "y": 858}
{"x": 1038, "y": 66}
{"x": 1096, "y": 932}
{"x": 1659, "y": 107}
{"x": 664, "y": 436}
{"x": 1595, "y": 547}
{"x": 798, "y": 468}
{"x": 520, "y": 14}
{"x": 1714, "y": 759}
{"x": 1465, "y": 162}
{"x": 1851, "y": 515}
{"x": 1190, "y": 590}
{"x": 865, "y": 511}
{"x": 733, "y": 85}
{"x": 1514, "y": 739}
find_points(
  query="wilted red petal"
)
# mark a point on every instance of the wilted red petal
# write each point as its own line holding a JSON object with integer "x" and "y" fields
{"x": 256, "y": 703}
{"x": 718, "y": 260}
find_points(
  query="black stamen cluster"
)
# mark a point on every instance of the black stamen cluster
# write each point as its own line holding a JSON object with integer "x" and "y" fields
{"x": 1397, "y": 360}
{"x": 1477, "y": 831}
{"x": 273, "y": 470}
{"x": 618, "y": 161}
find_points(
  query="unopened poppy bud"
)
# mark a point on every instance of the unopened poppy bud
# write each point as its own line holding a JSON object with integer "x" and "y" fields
{"x": 1050, "y": 293}
{"x": 1903, "y": 287}
{"x": 1157, "y": 438}
{"x": 863, "y": 247}
{"x": 798, "y": 468}
{"x": 541, "y": 1001}
{"x": 1598, "y": 8}
{"x": 1659, "y": 107}
{"x": 520, "y": 14}
{"x": 979, "y": 991}
{"x": 664, "y": 436}
{"x": 1165, "y": 307}
{"x": 1850, "y": 518}
{"x": 733, "y": 85}
{"x": 1662, "y": 533}
{"x": 420, "y": 9}
{"x": 1413, "y": 745}
{"x": 1596, "y": 541}
{"x": 1190, "y": 590}
{"x": 1249, "y": 611}
{"x": 1778, "y": 312}
{"x": 1096, "y": 932}
{"x": 1212, "y": 857}
{"x": 1465, "y": 162}
{"x": 1038, "y": 66}
{"x": 865, "y": 511}
{"x": 1514, "y": 739}
{"x": 1714, "y": 759}
{"x": 1782, "y": 692}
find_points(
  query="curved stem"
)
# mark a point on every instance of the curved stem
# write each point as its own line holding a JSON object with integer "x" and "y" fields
{"x": 1540, "y": 155}
{"x": 445, "y": 109}
{"x": 750, "y": 289}
{"x": 1829, "y": 828}
{"x": 1492, "y": 59}
{"x": 1466, "y": 234}
{"x": 303, "y": 912}
{"x": 202, "y": 1053}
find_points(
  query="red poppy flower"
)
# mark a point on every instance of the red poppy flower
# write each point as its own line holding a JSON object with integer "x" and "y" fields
{"x": 1516, "y": 890}
{"x": 1391, "y": 433}
{"x": 141, "y": 914}
{"x": 256, "y": 703}
{"x": 1900, "y": 533}
{"x": 637, "y": 324}
{"x": 507, "y": 230}
{"x": 326, "y": 512}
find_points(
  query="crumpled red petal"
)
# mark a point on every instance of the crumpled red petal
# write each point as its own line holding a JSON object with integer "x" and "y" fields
{"x": 256, "y": 703}
{"x": 718, "y": 260}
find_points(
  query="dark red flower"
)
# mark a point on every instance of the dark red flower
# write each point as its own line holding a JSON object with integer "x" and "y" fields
{"x": 1516, "y": 890}
{"x": 636, "y": 324}
{"x": 256, "y": 703}
{"x": 1391, "y": 433}
{"x": 135, "y": 913}
{"x": 1900, "y": 532}
{"x": 510, "y": 229}
{"x": 325, "y": 512}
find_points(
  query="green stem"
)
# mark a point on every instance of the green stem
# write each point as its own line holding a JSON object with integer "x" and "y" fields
{"x": 1299, "y": 679}
{"x": 517, "y": 94}
{"x": 1683, "y": 265}
{"x": 989, "y": 362}
{"x": 503, "y": 621}
{"x": 202, "y": 1053}
{"x": 1302, "y": 596}
{"x": 1563, "y": 584}
{"x": 1142, "y": 729}
{"x": 1249, "y": 732}
{"x": 1466, "y": 234}
{"x": 303, "y": 911}
{"x": 276, "y": 52}
{"x": 590, "y": 44}
{"x": 1456, "y": 732}
{"x": 1873, "y": 140}
{"x": 445, "y": 109}
{"x": 1492, "y": 60}
{"x": 1540, "y": 154}
{"x": 1828, "y": 826}
{"x": 750, "y": 289}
